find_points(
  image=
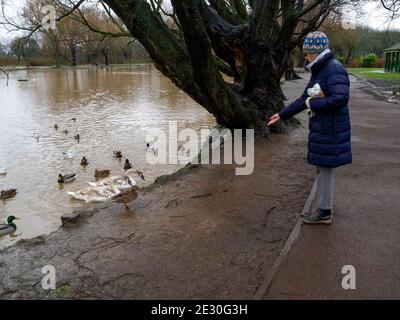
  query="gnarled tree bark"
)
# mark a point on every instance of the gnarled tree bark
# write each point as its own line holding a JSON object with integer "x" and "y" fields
{"x": 252, "y": 40}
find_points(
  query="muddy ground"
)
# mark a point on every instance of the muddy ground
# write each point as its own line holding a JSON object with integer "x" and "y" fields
{"x": 204, "y": 234}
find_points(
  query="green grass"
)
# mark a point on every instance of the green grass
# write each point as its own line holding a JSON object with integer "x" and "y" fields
{"x": 63, "y": 290}
{"x": 367, "y": 74}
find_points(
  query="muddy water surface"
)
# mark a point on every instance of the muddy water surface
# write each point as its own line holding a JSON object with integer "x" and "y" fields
{"x": 114, "y": 109}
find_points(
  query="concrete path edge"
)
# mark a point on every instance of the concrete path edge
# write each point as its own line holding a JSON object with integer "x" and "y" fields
{"x": 293, "y": 237}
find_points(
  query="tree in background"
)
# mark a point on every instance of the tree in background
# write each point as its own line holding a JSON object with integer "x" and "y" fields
{"x": 82, "y": 36}
{"x": 98, "y": 39}
{"x": 4, "y": 54}
{"x": 51, "y": 38}
{"x": 357, "y": 43}
{"x": 72, "y": 36}
{"x": 343, "y": 41}
{"x": 393, "y": 6}
{"x": 25, "y": 51}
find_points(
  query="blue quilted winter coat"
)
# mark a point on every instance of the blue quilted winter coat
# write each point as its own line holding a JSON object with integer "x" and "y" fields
{"x": 329, "y": 141}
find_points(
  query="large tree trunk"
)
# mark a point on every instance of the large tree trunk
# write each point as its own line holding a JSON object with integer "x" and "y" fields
{"x": 57, "y": 55}
{"x": 106, "y": 56}
{"x": 290, "y": 73}
{"x": 57, "y": 58}
{"x": 27, "y": 60}
{"x": 74, "y": 56}
{"x": 256, "y": 49}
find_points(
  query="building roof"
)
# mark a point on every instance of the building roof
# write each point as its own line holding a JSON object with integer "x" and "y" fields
{"x": 394, "y": 48}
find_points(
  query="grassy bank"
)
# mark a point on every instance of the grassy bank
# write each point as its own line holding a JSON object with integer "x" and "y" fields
{"x": 374, "y": 74}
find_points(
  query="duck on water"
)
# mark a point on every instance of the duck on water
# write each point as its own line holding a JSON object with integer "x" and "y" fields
{"x": 9, "y": 227}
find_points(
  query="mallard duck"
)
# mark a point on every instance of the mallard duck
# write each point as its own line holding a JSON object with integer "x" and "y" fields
{"x": 101, "y": 173}
{"x": 126, "y": 196}
{"x": 77, "y": 137}
{"x": 121, "y": 189}
{"x": 127, "y": 165}
{"x": 84, "y": 162}
{"x": 8, "y": 194}
{"x": 73, "y": 119}
{"x": 10, "y": 227}
{"x": 56, "y": 126}
{"x": 68, "y": 178}
{"x": 117, "y": 154}
{"x": 65, "y": 132}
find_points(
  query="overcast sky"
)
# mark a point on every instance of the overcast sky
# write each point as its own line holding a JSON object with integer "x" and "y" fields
{"x": 373, "y": 15}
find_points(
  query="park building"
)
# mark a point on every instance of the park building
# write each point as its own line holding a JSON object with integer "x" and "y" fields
{"x": 392, "y": 58}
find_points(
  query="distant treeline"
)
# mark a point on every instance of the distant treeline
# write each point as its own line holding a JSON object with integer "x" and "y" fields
{"x": 73, "y": 41}
{"x": 38, "y": 53}
{"x": 356, "y": 47}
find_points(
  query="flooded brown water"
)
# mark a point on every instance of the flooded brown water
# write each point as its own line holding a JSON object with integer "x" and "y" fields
{"x": 114, "y": 109}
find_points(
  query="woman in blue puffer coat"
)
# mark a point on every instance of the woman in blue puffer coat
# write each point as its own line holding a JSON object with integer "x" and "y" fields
{"x": 329, "y": 144}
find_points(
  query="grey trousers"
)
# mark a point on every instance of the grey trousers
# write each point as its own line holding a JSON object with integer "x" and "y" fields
{"x": 325, "y": 181}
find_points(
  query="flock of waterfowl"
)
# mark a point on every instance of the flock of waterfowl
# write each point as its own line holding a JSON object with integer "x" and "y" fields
{"x": 121, "y": 189}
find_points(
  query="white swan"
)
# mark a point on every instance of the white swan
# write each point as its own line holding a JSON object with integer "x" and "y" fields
{"x": 108, "y": 189}
{"x": 3, "y": 171}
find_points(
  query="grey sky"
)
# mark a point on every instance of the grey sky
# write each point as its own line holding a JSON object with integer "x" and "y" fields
{"x": 373, "y": 15}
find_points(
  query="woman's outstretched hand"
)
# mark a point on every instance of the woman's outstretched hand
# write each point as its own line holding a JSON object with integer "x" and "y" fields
{"x": 274, "y": 119}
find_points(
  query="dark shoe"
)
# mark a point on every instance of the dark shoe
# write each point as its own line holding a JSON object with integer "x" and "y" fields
{"x": 309, "y": 213}
{"x": 319, "y": 216}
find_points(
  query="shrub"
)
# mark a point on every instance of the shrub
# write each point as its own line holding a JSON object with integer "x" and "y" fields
{"x": 369, "y": 61}
{"x": 35, "y": 62}
{"x": 380, "y": 63}
{"x": 355, "y": 63}
{"x": 8, "y": 62}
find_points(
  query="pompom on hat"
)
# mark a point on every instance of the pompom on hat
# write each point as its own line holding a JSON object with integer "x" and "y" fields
{"x": 315, "y": 42}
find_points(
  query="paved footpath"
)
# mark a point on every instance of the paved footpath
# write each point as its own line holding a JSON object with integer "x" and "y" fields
{"x": 366, "y": 229}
